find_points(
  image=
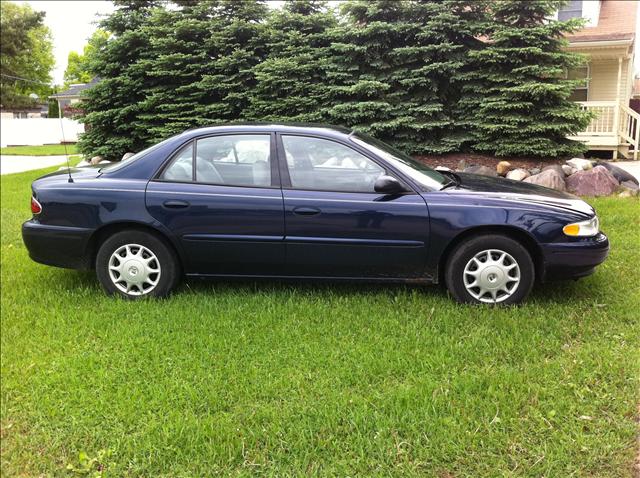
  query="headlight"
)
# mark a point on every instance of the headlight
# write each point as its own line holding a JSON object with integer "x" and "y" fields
{"x": 587, "y": 228}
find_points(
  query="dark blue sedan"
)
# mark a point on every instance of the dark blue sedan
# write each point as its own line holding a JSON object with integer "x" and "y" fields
{"x": 306, "y": 202}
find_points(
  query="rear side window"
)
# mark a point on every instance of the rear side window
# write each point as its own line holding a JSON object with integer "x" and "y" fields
{"x": 234, "y": 160}
{"x": 181, "y": 167}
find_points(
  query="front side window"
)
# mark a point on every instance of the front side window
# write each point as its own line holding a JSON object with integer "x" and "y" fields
{"x": 234, "y": 160}
{"x": 324, "y": 165}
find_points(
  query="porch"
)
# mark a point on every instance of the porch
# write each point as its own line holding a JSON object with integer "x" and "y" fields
{"x": 606, "y": 91}
{"x": 615, "y": 127}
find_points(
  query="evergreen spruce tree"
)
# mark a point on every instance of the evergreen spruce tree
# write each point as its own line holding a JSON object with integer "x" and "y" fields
{"x": 523, "y": 105}
{"x": 235, "y": 46}
{"x": 113, "y": 106}
{"x": 393, "y": 64}
{"x": 180, "y": 38}
{"x": 290, "y": 81}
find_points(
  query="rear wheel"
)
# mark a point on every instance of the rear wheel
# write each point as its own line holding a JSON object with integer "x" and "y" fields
{"x": 135, "y": 264}
{"x": 490, "y": 269}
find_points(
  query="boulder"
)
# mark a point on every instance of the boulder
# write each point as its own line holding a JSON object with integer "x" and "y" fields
{"x": 595, "y": 182}
{"x": 534, "y": 171}
{"x": 629, "y": 185}
{"x": 96, "y": 159}
{"x": 503, "y": 167}
{"x": 482, "y": 170}
{"x": 518, "y": 174}
{"x": 127, "y": 156}
{"x": 620, "y": 174}
{"x": 442, "y": 168}
{"x": 83, "y": 163}
{"x": 568, "y": 170}
{"x": 554, "y": 167}
{"x": 549, "y": 179}
{"x": 580, "y": 164}
{"x": 462, "y": 165}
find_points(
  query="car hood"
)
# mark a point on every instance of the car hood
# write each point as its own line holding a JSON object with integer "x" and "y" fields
{"x": 519, "y": 192}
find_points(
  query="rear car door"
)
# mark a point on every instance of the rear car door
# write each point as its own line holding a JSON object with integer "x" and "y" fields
{"x": 220, "y": 196}
{"x": 336, "y": 225}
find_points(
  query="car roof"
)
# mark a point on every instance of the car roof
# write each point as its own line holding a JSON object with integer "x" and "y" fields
{"x": 277, "y": 127}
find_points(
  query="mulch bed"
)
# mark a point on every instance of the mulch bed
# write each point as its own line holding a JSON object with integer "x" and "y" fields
{"x": 452, "y": 161}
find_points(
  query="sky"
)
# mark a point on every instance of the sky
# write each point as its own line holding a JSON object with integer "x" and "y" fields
{"x": 72, "y": 22}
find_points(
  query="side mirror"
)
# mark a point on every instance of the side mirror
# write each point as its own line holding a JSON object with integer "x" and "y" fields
{"x": 388, "y": 185}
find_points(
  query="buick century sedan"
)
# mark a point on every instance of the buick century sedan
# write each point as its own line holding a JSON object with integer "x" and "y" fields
{"x": 306, "y": 202}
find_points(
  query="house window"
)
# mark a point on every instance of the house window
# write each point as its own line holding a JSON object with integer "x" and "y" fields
{"x": 572, "y": 9}
{"x": 580, "y": 92}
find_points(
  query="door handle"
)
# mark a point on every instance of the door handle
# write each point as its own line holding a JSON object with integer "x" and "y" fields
{"x": 175, "y": 204}
{"x": 306, "y": 211}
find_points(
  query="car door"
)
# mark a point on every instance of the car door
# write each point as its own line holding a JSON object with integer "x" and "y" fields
{"x": 220, "y": 196}
{"x": 336, "y": 225}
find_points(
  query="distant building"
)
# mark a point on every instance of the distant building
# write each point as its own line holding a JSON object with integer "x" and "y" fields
{"x": 73, "y": 95}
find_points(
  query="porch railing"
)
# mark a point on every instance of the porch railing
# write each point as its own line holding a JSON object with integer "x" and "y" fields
{"x": 613, "y": 119}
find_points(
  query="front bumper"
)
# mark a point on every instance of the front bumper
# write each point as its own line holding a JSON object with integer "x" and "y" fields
{"x": 59, "y": 246}
{"x": 572, "y": 260}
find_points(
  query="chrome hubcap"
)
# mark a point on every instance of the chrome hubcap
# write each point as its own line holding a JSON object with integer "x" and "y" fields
{"x": 134, "y": 269}
{"x": 491, "y": 276}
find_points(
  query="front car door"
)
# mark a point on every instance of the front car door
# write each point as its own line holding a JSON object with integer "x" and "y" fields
{"x": 336, "y": 225}
{"x": 220, "y": 196}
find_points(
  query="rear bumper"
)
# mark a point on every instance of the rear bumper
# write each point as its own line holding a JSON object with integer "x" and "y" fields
{"x": 572, "y": 260}
{"x": 59, "y": 246}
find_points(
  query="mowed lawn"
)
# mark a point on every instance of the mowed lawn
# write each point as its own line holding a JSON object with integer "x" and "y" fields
{"x": 43, "y": 150}
{"x": 293, "y": 379}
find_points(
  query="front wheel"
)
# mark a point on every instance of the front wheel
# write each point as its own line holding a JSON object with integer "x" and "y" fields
{"x": 136, "y": 264}
{"x": 490, "y": 269}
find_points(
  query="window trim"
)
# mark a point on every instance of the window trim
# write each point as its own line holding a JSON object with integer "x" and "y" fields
{"x": 286, "y": 178}
{"x": 273, "y": 166}
{"x": 565, "y": 9}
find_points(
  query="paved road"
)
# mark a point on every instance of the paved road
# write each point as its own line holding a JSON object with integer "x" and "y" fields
{"x": 18, "y": 164}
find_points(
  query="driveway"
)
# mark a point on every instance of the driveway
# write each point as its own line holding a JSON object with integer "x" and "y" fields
{"x": 18, "y": 164}
{"x": 632, "y": 167}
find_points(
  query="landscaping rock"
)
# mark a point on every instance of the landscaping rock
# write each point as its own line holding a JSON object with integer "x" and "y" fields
{"x": 620, "y": 174}
{"x": 503, "y": 167}
{"x": 595, "y": 182}
{"x": 462, "y": 165}
{"x": 630, "y": 185}
{"x": 549, "y": 179}
{"x": 83, "y": 163}
{"x": 442, "y": 168}
{"x": 518, "y": 174}
{"x": 96, "y": 159}
{"x": 554, "y": 167}
{"x": 568, "y": 170}
{"x": 482, "y": 170}
{"x": 534, "y": 171}
{"x": 127, "y": 156}
{"x": 580, "y": 164}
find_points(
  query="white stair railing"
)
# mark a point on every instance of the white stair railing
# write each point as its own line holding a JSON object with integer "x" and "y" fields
{"x": 629, "y": 128}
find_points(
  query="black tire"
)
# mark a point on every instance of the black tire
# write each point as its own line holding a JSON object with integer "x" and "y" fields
{"x": 169, "y": 267}
{"x": 462, "y": 255}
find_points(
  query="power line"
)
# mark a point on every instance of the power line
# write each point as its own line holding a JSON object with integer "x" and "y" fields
{"x": 25, "y": 79}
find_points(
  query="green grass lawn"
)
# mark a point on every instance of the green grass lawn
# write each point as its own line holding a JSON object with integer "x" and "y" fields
{"x": 293, "y": 379}
{"x": 45, "y": 150}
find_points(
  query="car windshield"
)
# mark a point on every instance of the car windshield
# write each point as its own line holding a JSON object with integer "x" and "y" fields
{"x": 422, "y": 174}
{"x": 120, "y": 164}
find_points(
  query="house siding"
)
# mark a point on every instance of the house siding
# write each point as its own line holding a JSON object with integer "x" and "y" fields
{"x": 603, "y": 80}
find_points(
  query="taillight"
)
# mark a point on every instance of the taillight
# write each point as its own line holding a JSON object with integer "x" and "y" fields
{"x": 36, "y": 207}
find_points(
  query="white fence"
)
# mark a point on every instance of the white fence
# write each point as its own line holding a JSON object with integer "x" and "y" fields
{"x": 36, "y": 131}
